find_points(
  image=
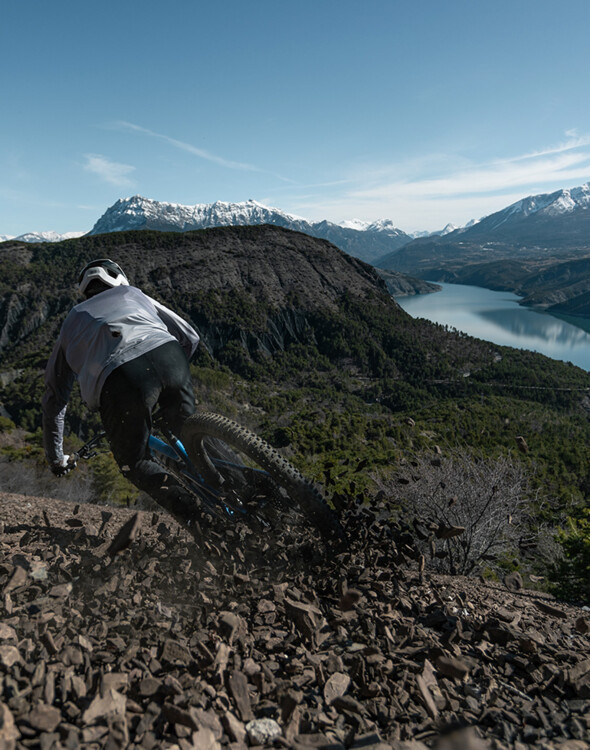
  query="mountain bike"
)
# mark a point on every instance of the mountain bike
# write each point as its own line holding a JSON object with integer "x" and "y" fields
{"x": 235, "y": 476}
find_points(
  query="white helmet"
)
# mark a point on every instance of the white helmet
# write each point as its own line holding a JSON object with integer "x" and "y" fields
{"x": 104, "y": 270}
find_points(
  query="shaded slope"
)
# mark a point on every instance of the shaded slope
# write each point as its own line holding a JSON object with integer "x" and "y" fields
{"x": 250, "y": 291}
{"x": 268, "y": 268}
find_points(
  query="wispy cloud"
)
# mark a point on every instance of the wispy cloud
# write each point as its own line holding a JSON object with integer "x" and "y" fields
{"x": 437, "y": 188}
{"x": 198, "y": 152}
{"x": 487, "y": 178}
{"x": 574, "y": 141}
{"x": 110, "y": 171}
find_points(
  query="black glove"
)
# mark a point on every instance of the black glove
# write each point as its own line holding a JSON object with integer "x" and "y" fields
{"x": 62, "y": 468}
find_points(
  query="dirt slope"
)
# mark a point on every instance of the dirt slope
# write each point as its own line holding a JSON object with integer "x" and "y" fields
{"x": 165, "y": 644}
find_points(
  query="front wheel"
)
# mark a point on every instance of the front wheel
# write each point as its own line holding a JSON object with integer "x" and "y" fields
{"x": 228, "y": 455}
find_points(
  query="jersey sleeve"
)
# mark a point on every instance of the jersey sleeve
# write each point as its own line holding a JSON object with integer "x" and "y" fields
{"x": 59, "y": 380}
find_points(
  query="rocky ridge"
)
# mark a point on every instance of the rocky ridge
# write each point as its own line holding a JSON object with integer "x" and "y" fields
{"x": 400, "y": 285}
{"x": 117, "y": 630}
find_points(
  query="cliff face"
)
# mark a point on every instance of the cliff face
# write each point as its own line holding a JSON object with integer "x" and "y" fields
{"x": 270, "y": 264}
{"x": 400, "y": 285}
{"x": 258, "y": 285}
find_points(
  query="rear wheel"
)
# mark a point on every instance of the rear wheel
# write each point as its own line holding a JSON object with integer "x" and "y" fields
{"x": 271, "y": 490}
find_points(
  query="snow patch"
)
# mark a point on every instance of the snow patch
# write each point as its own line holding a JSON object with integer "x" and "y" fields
{"x": 356, "y": 224}
{"x": 42, "y": 236}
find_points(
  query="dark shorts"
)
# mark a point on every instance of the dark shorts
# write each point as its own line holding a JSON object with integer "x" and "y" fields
{"x": 130, "y": 394}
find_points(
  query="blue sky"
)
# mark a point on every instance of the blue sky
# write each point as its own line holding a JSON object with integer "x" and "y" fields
{"x": 424, "y": 113}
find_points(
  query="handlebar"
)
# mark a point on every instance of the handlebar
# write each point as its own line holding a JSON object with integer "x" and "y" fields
{"x": 87, "y": 450}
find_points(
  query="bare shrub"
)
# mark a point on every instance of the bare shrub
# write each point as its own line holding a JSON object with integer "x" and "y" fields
{"x": 30, "y": 477}
{"x": 467, "y": 511}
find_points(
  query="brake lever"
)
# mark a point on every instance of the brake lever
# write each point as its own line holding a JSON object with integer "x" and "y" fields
{"x": 87, "y": 451}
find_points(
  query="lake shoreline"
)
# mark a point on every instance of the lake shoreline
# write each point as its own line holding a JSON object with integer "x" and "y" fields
{"x": 547, "y": 308}
{"x": 498, "y": 316}
{"x": 559, "y": 309}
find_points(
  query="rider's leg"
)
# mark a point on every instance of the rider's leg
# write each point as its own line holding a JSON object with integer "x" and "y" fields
{"x": 127, "y": 400}
{"x": 177, "y": 400}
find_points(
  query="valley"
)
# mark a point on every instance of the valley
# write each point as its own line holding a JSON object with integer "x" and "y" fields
{"x": 546, "y": 278}
{"x": 538, "y": 248}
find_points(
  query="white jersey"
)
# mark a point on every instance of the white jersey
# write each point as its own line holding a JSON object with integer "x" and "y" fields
{"x": 97, "y": 336}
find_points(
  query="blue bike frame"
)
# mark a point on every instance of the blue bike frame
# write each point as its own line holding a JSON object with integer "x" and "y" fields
{"x": 218, "y": 501}
{"x": 175, "y": 450}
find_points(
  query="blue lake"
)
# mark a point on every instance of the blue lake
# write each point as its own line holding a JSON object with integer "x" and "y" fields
{"x": 497, "y": 317}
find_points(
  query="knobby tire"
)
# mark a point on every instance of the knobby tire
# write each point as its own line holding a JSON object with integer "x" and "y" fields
{"x": 305, "y": 496}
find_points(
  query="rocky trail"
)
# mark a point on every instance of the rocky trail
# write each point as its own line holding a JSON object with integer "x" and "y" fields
{"x": 117, "y": 630}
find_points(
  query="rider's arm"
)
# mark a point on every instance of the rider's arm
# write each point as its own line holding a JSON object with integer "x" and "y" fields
{"x": 186, "y": 335}
{"x": 59, "y": 380}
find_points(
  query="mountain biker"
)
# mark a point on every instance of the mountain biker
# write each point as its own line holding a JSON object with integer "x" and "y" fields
{"x": 128, "y": 353}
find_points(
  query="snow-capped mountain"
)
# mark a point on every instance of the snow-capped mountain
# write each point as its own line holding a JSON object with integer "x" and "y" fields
{"x": 553, "y": 219}
{"x": 387, "y": 226}
{"x": 356, "y": 224}
{"x": 464, "y": 228}
{"x": 438, "y": 233}
{"x": 138, "y": 212}
{"x": 41, "y": 236}
{"x": 562, "y": 216}
{"x": 382, "y": 225}
{"x": 552, "y": 204}
{"x": 550, "y": 225}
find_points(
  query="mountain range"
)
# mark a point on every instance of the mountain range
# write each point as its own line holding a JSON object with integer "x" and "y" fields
{"x": 561, "y": 217}
{"x": 546, "y": 224}
{"x": 520, "y": 248}
{"x": 41, "y": 236}
{"x": 538, "y": 247}
{"x": 362, "y": 239}
{"x": 557, "y": 221}
{"x": 143, "y": 213}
